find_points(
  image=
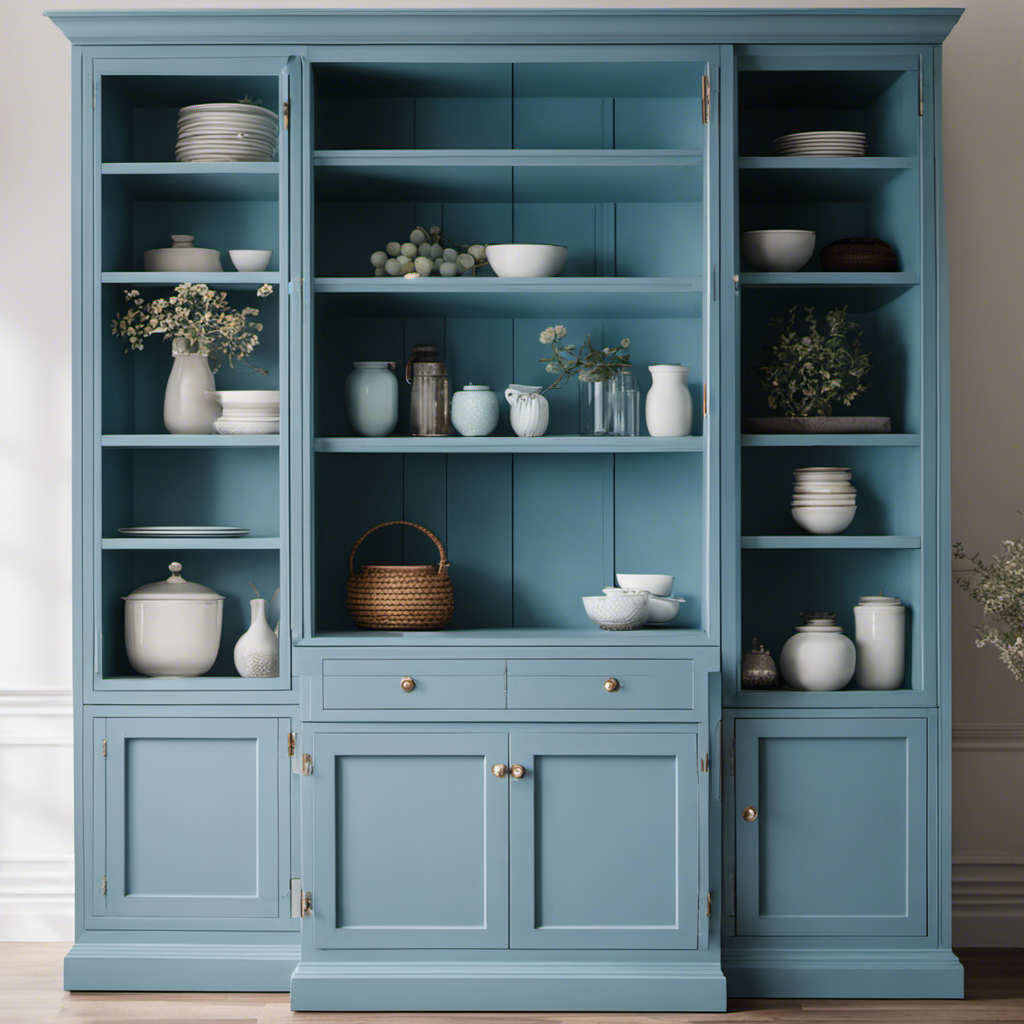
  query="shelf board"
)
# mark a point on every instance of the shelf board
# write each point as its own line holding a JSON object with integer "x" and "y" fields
{"x": 227, "y": 280}
{"x": 191, "y": 543}
{"x": 549, "y": 444}
{"x": 839, "y": 540}
{"x": 810, "y": 179}
{"x": 482, "y": 296}
{"x": 205, "y": 684}
{"x": 586, "y": 636}
{"x": 191, "y": 440}
{"x": 236, "y": 180}
{"x": 830, "y": 440}
{"x": 503, "y": 176}
{"x": 830, "y": 279}
{"x": 851, "y": 697}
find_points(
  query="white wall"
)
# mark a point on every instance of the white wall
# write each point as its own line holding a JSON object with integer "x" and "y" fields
{"x": 984, "y": 149}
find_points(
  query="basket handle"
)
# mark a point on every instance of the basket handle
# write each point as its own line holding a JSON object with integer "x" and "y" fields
{"x": 442, "y": 569}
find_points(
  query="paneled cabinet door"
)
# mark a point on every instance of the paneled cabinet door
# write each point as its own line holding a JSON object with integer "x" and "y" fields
{"x": 605, "y": 840}
{"x": 410, "y": 840}
{"x": 193, "y": 833}
{"x": 831, "y": 826}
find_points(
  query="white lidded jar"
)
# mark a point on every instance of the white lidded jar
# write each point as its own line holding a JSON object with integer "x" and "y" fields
{"x": 819, "y": 656}
{"x": 669, "y": 407}
{"x": 880, "y": 629}
{"x": 475, "y": 410}
{"x": 371, "y": 399}
{"x": 172, "y": 627}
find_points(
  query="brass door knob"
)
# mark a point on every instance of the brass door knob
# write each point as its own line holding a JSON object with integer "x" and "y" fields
{"x": 518, "y": 771}
{"x": 611, "y": 685}
{"x": 499, "y": 770}
{"x": 408, "y": 683}
{"x": 749, "y": 813}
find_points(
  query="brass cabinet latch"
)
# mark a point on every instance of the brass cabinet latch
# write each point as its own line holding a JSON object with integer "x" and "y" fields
{"x": 286, "y": 110}
{"x": 306, "y": 905}
{"x": 291, "y": 744}
{"x": 103, "y": 886}
{"x": 307, "y": 764}
{"x": 705, "y": 99}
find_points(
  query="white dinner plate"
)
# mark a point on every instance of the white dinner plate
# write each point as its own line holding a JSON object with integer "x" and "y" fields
{"x": 183, "y": 531}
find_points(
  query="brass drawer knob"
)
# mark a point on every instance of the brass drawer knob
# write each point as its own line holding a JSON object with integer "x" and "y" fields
{"x": 518, "y": 771}
{"x": 611, "y": 685}
{"x": 408, "y": 683}
{"x": 499, "y": 770}
{"x": 749, "y": 813}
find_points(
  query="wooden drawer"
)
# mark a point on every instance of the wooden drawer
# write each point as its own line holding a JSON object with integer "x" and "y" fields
{"x": 438, "y": 683}
{"x": 642, "y": 683}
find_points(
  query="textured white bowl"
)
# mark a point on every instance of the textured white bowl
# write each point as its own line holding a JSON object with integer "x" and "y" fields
{"x": 523, "y": 260}
{"x": 183, "y": 260}
{"x": 654, "y": 583}
{"x": 777, "y": 250}
{"x": 250, "y": 261}
{"x": 824, "y": 520}
{"x": 624, "y": 610}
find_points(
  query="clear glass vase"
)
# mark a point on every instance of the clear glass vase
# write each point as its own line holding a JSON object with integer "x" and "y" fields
{"x": 595, "y": 406}
{"x": 625, "y": 404}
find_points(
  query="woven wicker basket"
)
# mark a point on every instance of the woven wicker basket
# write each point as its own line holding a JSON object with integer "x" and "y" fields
{"x": 859, "y": 254}
{"x": 399, "y": 596}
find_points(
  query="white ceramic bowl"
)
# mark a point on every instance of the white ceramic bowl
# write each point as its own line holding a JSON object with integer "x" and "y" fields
{"x": 523, "y": 260}
{"x": 777, "y": 249}
{"x": 240, "y": 425}
{"x": 654, "y": 583}
{"x": 623, "y": 610}
{"x": 183, "y": 260}
{"x": 250, "y": 261}
{"x": 249, "y": 404}
{"x": 662, "y": 609}
{"x": 817, "y": 519}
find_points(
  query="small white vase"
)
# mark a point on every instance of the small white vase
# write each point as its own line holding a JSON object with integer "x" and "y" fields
{"x": 669, "y": 407}
{"x": 528, "y": 411}
{"x": 256, "y": 653}
{"x": 819, "y": 656}
{"x": 881, "y": 642}
{"x": 188, "y": 409}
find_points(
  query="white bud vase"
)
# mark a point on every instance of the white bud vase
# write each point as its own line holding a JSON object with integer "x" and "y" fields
{"x": 669, "y": 407}
{"x": 256, "y": 653}
{"x": 188, "y": 409}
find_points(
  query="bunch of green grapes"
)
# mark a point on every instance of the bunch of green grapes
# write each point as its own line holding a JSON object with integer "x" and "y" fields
{"x": 426, "y": 253}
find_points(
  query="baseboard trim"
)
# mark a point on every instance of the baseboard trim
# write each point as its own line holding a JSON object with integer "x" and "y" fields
{"x": 519, "y": 987}
{"x": 843, "y": 974}
{"x": 179, "y": 967}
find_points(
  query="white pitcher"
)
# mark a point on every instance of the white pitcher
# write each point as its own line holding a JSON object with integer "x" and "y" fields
{"x": 669, "y": 408}
{"x": 529, "y": 409}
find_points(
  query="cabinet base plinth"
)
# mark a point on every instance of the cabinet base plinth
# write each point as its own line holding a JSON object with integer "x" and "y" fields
{"x": 496, "y": 987}
{"x": 179, "y": 967}
{"x": 843, "y": 974}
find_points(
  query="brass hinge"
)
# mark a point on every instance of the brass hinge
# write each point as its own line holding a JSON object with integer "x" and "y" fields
{"x": 705, "y": 762}
{"x": 920, "y": 90}
{"x": 291, "y": 744}
{"x": 709, "y": 905}
{"x": 287, "y": 113}
{"x": 103, "y": 885}
{"x": 705, "y": 99}
{"x": 306, "y": 905}
{"x": 307, "y": 764}
{"x": 104, "y": 746}
{"x": 705, "y": 399}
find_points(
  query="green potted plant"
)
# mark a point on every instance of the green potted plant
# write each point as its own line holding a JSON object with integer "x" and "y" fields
{"x": 813, "y": 372}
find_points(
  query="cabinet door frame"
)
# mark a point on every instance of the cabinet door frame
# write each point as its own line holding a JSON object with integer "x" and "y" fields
{"x": 684, "y": 745}
{"x": 750, "y": 922}
{"x": 489, "y": 748}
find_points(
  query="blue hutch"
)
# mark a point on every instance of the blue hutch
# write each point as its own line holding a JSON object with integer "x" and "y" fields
{"x": 662, "y": 840}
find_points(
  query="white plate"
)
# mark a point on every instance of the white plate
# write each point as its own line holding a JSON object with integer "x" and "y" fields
{"x": 183, "y": 531}
{"x": 231, "y": 108}
{"x": 822, "y": 135}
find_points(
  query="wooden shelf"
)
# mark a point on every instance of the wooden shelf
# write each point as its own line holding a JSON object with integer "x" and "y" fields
{"x": 191, "y": 543}
{"x": 838, "y": 540}
{"x": 830, "y": 440}
{"x": 586, "y": 636}
{"x": 236, "y": 180}
{"x": 227, "y": 280}
{"x": 810, "y": 179}
{"x": 570, "y": 444}
{"x": 851, "y": 697}
{"x": 191, "y": 440}
{"x": 825, "y": 279}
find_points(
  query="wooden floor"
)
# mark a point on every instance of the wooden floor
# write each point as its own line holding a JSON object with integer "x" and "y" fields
{"x": 30, "y": 993}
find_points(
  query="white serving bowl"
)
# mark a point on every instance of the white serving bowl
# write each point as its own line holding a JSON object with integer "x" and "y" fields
{"x": 663, "y": 609}
{"x": 817, "y": 519}
{"x": 182, "y": 259}
{"x": 240, "y": 425}
{"x": 524, "y": 260}
{"x": 654, "y": 583}
{"x": 250, "y": 261}
{"x": 777, "y": 249}
{"x": 249, "y": 404}
{"x": 626, "y": 609}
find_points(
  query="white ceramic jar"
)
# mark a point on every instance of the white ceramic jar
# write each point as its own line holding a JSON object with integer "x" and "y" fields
{"x": 172, "y": 627}
{"x": 528, "y": 412}
{"x": 371, "y": 399}
{"x": 669, "y": 407}
{"x": 880, "y": 630}
{"x": 188, "y": 407}
{"x": 819, "y": 656}
{"x": 475, "y": 410}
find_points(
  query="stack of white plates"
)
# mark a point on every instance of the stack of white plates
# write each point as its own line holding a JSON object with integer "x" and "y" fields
{"x": 248, "y": 412}
{"x": 823, "y": 499}
{"x": 835, "y": 144}
{"x": 183, "y": 531}
{"x": 210, "y": 132}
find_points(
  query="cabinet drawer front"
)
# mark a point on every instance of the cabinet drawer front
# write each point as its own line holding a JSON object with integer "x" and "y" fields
{"x": 641, "y": 684}
{"x": 436, "y": 683}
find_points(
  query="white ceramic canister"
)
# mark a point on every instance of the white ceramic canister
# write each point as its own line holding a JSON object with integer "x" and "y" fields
{"x": 475, "y": 410}
{"x": 172, "y": 627}
{"x": 669, "y": 407}
{"x": 880, "y": 630}
{"x": 371, "y": 399}
{"x": 819, "y": 656}
{"x": 528, "y": 411}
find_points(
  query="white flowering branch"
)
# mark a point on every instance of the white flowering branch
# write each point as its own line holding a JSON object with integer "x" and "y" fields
{"x": 586, "y": 361}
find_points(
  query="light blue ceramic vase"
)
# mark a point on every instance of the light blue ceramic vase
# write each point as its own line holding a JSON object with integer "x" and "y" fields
{"x": 371, "y": 399}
